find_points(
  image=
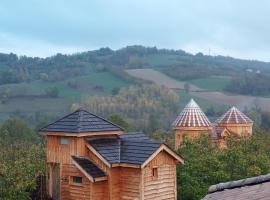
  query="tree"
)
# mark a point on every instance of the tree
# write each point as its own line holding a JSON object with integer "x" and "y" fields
{"x": 206, "y": 164}
{"x": 17, "y": 129}
{"x": 118, "y": 120}
{"x": 21, "y": 164}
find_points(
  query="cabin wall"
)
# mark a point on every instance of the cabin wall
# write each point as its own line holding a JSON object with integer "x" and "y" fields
{"x": 241, "y": 130}
{"x": 130, "y": 182}
{"x": 61, "y": 153}
{"x": 71, "y": 191}
{"x": 114, "y": 183}
{"x": 100, "y": 190}
{"x": 190, "y": 133}
{"x": 164, "y": 185}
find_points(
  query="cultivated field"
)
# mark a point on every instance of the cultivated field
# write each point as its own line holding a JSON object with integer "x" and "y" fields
{"x": 219, "y": 97}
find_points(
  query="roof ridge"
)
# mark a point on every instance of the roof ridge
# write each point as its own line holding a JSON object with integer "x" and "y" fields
{"x": 239, "y": 183}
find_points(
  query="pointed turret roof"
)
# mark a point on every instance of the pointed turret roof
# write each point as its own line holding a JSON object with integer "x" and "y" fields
{"x": 192, "y": 116}
{"x": 81, "y": 121}
{"x": 234, "y": 116}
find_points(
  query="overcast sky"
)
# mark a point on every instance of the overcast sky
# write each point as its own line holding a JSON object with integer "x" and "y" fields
{"x": 238, "y": 28}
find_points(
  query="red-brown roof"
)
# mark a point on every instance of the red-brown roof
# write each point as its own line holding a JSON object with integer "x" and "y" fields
{"x": 192, "y": 116}
{"x": 234, "y": 116}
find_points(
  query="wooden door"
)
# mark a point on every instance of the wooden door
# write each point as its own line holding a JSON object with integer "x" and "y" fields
{"x": 55, "y": 181}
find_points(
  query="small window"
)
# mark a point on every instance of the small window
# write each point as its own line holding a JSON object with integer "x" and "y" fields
{"x": 64, "y": 140}
{"x": 155, "y": 172}
{"x": 77, "y": 179}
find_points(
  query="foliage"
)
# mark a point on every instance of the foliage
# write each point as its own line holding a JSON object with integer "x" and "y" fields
{"x": 22, "y": 160}
{"x": 21, "y": 163}
{"x": 17, "y": 129}
{"x": 164, "y": 136}
{"x": 205, "y": 164}
{"x": 250, "y": 84}
{"x": 148, "y": 107}
{"x": 117, "y": 119}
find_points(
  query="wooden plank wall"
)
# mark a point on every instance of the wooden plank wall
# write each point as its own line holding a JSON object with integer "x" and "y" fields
{"x": 72, "y": 191}
{"x": 130, "y": 181}
{"x": 100, "y": 190}
{"x": 164, "y": 186}
{"x": 57, "y": 153}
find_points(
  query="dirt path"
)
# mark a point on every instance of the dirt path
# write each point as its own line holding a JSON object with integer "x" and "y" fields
{"x": 239, "y": 100}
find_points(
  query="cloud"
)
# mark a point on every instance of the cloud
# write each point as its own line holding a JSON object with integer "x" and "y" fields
{"x": 235, "y": 28}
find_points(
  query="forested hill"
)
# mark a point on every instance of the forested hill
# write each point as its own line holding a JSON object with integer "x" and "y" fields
{"x": 249, "y": 76}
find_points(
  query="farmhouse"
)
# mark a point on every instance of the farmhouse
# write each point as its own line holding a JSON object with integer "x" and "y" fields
{"x": 90, "y": 158}
{"x": 192, "y": 122}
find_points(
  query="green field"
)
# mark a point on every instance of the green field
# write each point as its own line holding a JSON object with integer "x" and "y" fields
{"x": 24, "y": 97}
{"x": 215, "y": 83}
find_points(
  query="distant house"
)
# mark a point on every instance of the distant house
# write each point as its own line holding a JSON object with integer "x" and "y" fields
{"x": 254, "y": 188}
{"x": 90, "y": 158}
{"x": 192, "y": 122}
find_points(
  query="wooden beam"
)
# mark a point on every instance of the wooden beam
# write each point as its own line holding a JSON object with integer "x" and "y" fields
{"x": 126, "y": 165}
{"x": 84, "y": 134}
{"x": 98, "y": 155}
{"x": 105, "y": 178}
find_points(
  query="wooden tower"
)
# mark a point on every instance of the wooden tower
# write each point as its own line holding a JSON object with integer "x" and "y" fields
{"x": 236, "y": 122}
{"x": 191, "y": 122}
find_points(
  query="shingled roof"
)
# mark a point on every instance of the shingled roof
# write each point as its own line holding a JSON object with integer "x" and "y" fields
{"x": 89, "y": 167}
{"x": 234, "y": 116}
{"x": 133, "y": 148}
{"x": 81, "y": 121}
{"x": 192, "y": 116}
{"x": 245, "y": 189}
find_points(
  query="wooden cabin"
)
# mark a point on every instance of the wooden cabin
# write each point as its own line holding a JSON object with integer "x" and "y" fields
{"x": 233, "y": 123}
{"x": 191, "y": 122}
{"x": 90, "y": 158}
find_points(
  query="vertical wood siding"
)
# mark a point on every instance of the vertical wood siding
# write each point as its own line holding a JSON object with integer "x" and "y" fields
{"x": 57, "y": 153}
{"x": 164, "y": 186}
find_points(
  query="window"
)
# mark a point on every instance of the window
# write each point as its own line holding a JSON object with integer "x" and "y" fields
{"x": 155, "y": 172}
{"x": 64, "y": 140}
{"x": 77, "y": 179}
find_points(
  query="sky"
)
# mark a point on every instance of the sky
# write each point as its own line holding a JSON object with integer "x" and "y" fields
{"x": 237, "y": 28}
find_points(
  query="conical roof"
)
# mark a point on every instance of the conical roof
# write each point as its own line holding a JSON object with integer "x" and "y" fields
{"x": 81, "y": 121}
{"x": 234, "y": 116}
{"x": 192, "y": 116}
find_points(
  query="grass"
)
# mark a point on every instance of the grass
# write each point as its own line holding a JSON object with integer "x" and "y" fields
{"x": 214, "y": 83}
{"x": 27, "y": 101}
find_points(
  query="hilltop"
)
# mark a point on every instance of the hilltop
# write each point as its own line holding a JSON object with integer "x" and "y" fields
{"x": 31, "y": 85}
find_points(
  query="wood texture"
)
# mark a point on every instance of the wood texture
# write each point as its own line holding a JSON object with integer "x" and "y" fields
{"x": 71, "y": 191}
{"x": 61, "y": 153}
{"x": 164, "y": 186}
